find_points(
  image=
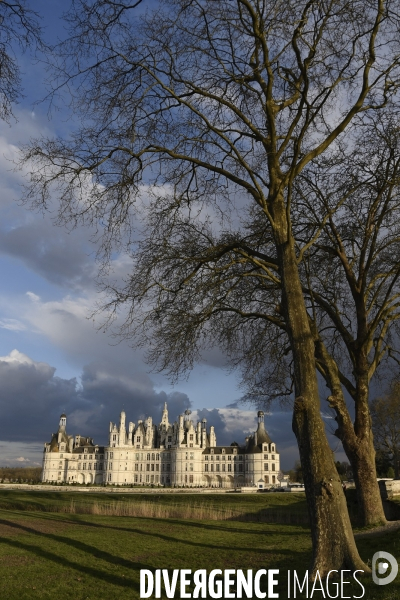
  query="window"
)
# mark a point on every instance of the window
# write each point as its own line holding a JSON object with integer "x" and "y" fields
{"x": 212, "y": 451}
{"x": 170, "y": 438}
{"x": 217, "y": 468}
{"x": 265, "y": 456}
{"x": 206, "y": 457}
{"x": 148, "y": 456}
{"x": 152, "y": 467}
{"x": 273, "y": 479}
{"x": 240, "y": 457}
{"x": 90, "y": 457}
{"x": 191, "y": 437}
{"x": 192, "y": 456}
{"x": 186, "y": 455}
{"x": 212, "y": 467}
{"x": 79, "y": 466}
{"x": 266, "y": 467}
{"x": 101, "y": 456}
{"x": 223, "y": 450}
{"x": 61, "y": 455}
{"x": 190, "y": 478}
{"x": 273, "y": 466}
{"x": 273, "y": 457}
{"x": 110, "y": 466}
{"x": 206, "y": 467}
{"x": 147, "y": 478}
{"x": 229, "y": 457}
{"x": 95, "y": 466}
{"x": 138, "y": 438}
{"x": 136, "y": 467}
{"x": 157, "y": 457}
{"x": 111, "y": 454}
{"x": 240, "y": 467}
{"x": 224, "y": 458}
{"x": 109, "y": 477}
{"x": 217, "y": 458}
{"x": 153, "y": 456}
{"x": 223, "y": 467}
{"x": 147, "y": 467}
{"x": 80, "y": 457}
{"x": 89, "y": 466}
{"x": 229, "y": 468}
{"x": 84, "y": 466}
{"x": 157, "y": 467}
{"x": 168, "y": 467}
{"x": 266, "y": 478}
{"x": 191, "y": 467}
{"x": 136, "y": 478}
{"x": 100, "y": 466}
{"x": 114, "y": 438}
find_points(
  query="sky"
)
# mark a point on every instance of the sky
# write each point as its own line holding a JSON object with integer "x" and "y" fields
{"x": 53, "y": 356}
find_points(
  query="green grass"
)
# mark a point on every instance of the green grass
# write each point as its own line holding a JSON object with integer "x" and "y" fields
{"x": 83, "y": 556}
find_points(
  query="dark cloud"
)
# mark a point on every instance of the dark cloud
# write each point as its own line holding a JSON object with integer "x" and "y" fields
{"x": 32, "y": 398}
{"x": 60, "y": 257}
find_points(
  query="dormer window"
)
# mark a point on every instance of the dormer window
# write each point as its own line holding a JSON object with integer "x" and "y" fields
{"x": 223, "y": 450}
{"x": 212, "y": 451}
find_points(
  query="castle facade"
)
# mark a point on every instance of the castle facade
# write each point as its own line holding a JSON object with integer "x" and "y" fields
{"x": 180, "y": 454}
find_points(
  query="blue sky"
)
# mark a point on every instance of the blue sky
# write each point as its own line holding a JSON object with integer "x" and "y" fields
{"x": 52, "y": 356}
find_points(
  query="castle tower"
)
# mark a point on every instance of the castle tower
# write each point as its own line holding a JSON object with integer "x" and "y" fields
{"x": 213, "y": 439}
{"x": 63, "y": 422}
{"x": 261, "y": 435}
{"x": 164, "y": 421}
{"x": 122, "y": 429}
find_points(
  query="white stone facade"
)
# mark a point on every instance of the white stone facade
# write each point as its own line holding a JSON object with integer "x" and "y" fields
{"x": 180, "y": 454}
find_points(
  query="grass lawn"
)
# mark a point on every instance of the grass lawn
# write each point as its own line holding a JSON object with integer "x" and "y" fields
{"x": 54, "y": 555}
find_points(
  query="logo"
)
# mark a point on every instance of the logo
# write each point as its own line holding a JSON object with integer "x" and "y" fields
{"x": 380, "y": 568}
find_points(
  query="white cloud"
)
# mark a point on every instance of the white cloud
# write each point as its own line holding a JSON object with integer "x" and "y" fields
{"x": 33, "y": 297}
{"x": 22, "y": 459}
{"x": 12, "y": 325}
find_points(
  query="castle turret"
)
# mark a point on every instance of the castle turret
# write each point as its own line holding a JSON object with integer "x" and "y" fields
{"x": 164, "y": 420}
{"x": 213, "y": 439}
{"x": 261, "y": 436}
{"x": 122, "y": 429}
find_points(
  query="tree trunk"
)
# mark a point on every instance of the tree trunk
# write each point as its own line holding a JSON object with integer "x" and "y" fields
{"x": 362, "y": 460}
{"x": 333, "y": 541}
{"x": 358, "y": 448}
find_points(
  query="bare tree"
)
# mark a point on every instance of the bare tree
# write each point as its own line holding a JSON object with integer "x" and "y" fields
{"x": 19, "y": 27}
{"x": 206, "y": 114}
{"x": 386, "y": 424}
